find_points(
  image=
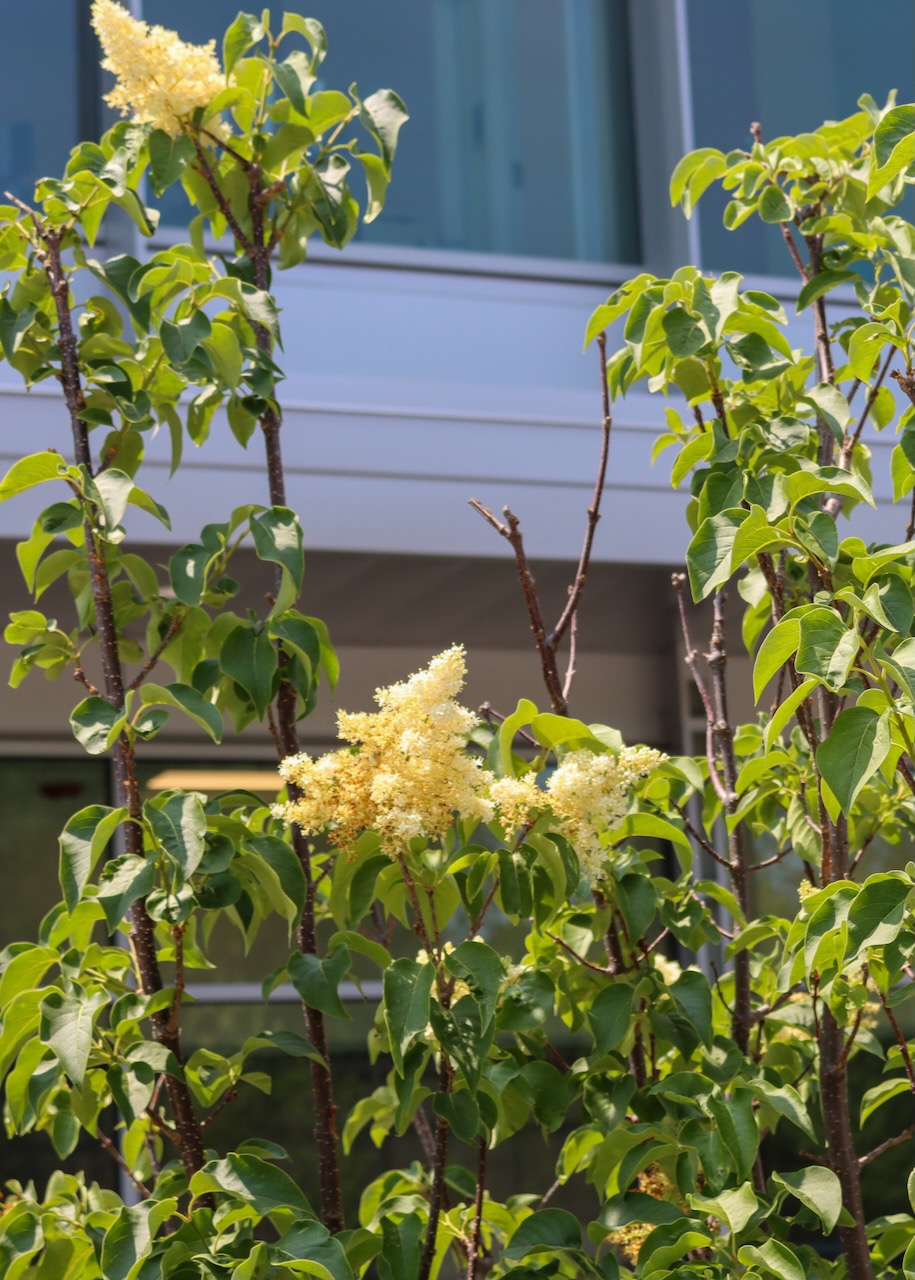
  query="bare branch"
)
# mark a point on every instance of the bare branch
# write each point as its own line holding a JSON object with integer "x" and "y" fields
{"x": 149, "y": 665}
{"x": 568, "y": 614}
{"x": 597, "y": 968}
{"x": 511, "y": 531}
{"x": 905, "y": 1136}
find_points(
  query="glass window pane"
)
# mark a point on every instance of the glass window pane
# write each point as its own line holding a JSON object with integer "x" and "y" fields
{"x": 520, "y": 138}
{"x": 37, "y": 797}
{"x": 44, "y": 42}
{"x": 790, "y": 66}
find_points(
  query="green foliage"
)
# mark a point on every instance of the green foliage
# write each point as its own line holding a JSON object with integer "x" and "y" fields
{"x": 663, "y": 1081}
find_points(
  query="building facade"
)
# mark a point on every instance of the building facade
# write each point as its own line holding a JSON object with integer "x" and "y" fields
{"x": 439, "y": 358}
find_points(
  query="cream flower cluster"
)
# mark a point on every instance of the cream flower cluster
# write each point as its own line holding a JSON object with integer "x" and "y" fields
{"x": 588, "y": 794}
{"x": 160, "y": 79}
{"x": 406, "y": 772}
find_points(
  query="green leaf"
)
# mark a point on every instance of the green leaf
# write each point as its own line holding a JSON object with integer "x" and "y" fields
{"x": 773, "y": 205}
{"x": 282, "y": 860}
{"x": 480, "y": 967}
{"x": 787, "y": 710}
{"x": 187, "y": 572}
{"x": 37, "y": 468}
{"x": 609, "y": 1016}
{"x": 735, "y": 1206}
{"x": 821, "y": 283}
{"x": 883, "y": 1092}
{"x": 545, "y": 1229}
{"x": 775, "y": 1257}
{"x": 875, "y": 916}
{"x": 786, "y": 1101}
{"x": 407, "y": 992}
{"x": 222, "y": 346}
{"x": 93, "y": 722}
{"x": 402, "y": 1248}
{"x": 737, "y": 1128}
{"x": 23, "y": 972}
{"x": 708, "y": 556}
{"x": 81, "y": 844}
{"x": 278, "y": 538}
{"x": 178, "y": 821}
{"x": 184, "y": 698}
{"x": 295, "y": 77}
{"x": 252, "y": 1181}
{"x": 827, "y": 647}
{"x": 317, "y": 980}
{"x": 685, "y": 336}
{"x": 312, "y": 31}
{"x": 248, "y": 658}
{"x": 777, "y": 647}
{"x": 126, "y": 1241}
{"x": 122, "y": 882}
{"x": 894, "y": 147}
{"x": 818, "y": 1189}
{"x": 461, "y": 1112}
{"x": 66, "y": 1027}
{"x": 693, "y": 995}
{"x": 168, "y": 158}
{"x": 637, "y": 1206}
{"x": 522, "y": 715}
{"x": 383, "y": 114}
{"x": 857, "y": 745}
{"x": 241, "y": 34}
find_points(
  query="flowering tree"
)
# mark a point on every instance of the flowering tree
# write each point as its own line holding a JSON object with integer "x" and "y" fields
{"x": 665, "y": 1081}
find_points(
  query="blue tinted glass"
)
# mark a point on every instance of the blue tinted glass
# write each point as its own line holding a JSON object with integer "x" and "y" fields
{"x": 790, "y": 64}
{"x": 39, "y": 115}
{"x": 520, "y": 137}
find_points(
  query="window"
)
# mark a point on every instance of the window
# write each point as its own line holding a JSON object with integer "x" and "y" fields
{"x": 520, "y": 140}
{"x": 790, "y": 66}
{"x": 41, "y": 113}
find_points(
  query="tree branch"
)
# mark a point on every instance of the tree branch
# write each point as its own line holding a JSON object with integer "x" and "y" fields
{"x": 511, "y": 532}
{"x": 473, "y": 1256}
{"x": 885, "y": 1146}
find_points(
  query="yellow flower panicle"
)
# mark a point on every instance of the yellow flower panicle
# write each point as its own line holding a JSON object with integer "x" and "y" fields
{"x": 587, "y": 794}
{"x": 629, "y": 1240}
{"x": 407, "y": 772}
{"x": 160, "y": 80}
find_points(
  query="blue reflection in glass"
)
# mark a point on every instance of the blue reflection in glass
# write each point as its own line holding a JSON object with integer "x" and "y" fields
{"x": 790, "y": 64}
{"x": 520, "y": 138}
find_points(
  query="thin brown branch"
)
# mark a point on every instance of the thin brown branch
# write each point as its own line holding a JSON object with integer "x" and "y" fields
{"x": 152, "y": 661}
{"x": 174, "y": 1014}
{"x": 758, "y": 1015}
{"x": 112, "y": 1149}
{"x": 488, "y": 712}
{"x": 206, "y": 172}
{"x": 848, "y": 448}
{"x": 226, "y": 1100}
{"x": 900, "y": 1039}
{"x": 424, "y": 1133}
{"x": 437, "y": 1194}
{"x": 80, "y": 677}
{"x": 604, "y": 970}
{"x": 511, "y": 532}
{"x": 705, "y": 845}
{"x": 906, "y": 382}
{"x": 906, "y": 774}
{"x": 487, "y": 902}
{"x": 770, "y": 862}
{"x": 581, "y": 573}
{"x": 897, "y": 1140}
{"x": 476, "y": 1234}
{"x": 691, "y": 659}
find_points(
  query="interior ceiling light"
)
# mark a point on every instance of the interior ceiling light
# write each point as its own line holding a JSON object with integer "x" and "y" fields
{"x": 256, "y": 780}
